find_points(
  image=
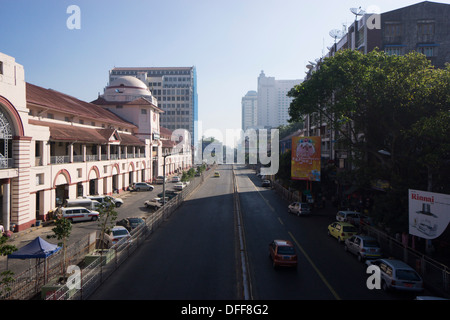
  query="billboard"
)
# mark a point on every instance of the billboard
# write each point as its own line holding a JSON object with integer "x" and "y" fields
{"x": 305, "y": 158}
{"x": 429, "y": 213}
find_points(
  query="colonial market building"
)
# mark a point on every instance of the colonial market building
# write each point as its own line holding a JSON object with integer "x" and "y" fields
{"x": 54, "y": 146}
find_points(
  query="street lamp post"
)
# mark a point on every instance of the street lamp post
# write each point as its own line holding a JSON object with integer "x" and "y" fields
{"x": 164, "y": 178}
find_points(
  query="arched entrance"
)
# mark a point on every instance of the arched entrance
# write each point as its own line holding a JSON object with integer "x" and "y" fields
{"x": 93, "y": 178}
{"x": 61, "y": 186}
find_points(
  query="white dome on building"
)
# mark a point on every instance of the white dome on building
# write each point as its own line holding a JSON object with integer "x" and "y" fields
{"x": 126, "y": 88}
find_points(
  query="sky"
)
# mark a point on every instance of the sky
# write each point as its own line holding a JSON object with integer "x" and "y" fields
{"x": 229, "y": 42}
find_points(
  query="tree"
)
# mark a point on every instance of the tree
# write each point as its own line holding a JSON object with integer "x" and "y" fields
{"x": 61, "y": 231}
{"x": 106, "y": 218}
{"x": 7, "y": 275}
{"x": 377, "y": 102}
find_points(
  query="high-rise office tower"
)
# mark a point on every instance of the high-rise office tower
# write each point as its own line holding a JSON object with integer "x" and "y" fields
{"x": 273, "y": 102}
{"x": 176, "y": 92}
{"x": 250, "y": 110}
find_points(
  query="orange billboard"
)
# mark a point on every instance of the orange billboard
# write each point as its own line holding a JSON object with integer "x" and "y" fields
{"x": 305, "y": 161}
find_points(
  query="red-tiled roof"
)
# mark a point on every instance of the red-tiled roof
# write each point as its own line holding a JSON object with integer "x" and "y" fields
{"x": 62, "y": 132}
{"x": 60, "y": 102}
{"x": 142, "y": 101}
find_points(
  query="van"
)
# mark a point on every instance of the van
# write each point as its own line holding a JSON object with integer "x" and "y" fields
{"x": 117, "y": 201}
{"x": 85, "y": 203}
{"x": 352, "y": 217}
{"x": 161, "y": 179}
{"x": 75, "y": 214}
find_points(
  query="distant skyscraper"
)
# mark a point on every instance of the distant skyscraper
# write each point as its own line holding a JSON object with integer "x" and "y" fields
{"x": 176, "y": 92}
{"x": 273, "y": 102}
{"x": 250, "y": 110}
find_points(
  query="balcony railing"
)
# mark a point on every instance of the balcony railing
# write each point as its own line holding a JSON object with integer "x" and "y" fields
{"x": 59, "y": 159}
{"x": 6, "y": 163}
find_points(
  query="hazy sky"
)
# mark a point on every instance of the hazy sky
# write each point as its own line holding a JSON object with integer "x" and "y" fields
{"x": 229, "y": 43}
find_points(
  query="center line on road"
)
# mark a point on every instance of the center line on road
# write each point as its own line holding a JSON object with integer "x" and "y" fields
{"x": 315, "y": 268}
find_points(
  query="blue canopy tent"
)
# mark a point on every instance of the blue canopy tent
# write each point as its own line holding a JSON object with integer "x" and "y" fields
{"x": 36, "y": 249}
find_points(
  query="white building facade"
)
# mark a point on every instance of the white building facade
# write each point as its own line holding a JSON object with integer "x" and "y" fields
{"x": 250, "y": 110}
{"x": 273, "y": 102}
{"x": 55, "y": 147}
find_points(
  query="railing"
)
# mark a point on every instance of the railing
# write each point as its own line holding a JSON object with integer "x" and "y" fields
{"x": 6, "y": 163}
{"x": 29, "y": 283}
{"x": 94, "y": 274}
{"x": 59, "y": 159}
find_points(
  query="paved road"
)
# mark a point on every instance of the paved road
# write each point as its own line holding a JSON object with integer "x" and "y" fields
{"x": 193, "y": 256}
{"x": 190, "y": 257}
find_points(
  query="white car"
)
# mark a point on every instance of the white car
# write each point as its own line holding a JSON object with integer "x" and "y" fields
{"x": 117, "y": 233}
{"x": 176, "y": 179}
{"x": 352, "y": 217}
{"x": 179, "y": 186}
{"x": 397, "y": 275}
{"x": 75, "y": 214}
{"x": 299, "y": 208}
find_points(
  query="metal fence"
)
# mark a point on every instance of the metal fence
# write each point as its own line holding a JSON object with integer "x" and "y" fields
{"x": 92, "y": 275}
{"x": 30, "y": 283}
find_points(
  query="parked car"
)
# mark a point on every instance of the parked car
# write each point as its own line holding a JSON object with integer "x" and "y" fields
{"x": 341, "y": 230}
{"x": 116, "y": 234}
{"x": 364, "y": 247}
{"x": 352, "y": 217}
{"x": 282, "y": 253}
{"x": 130, "y": 223}
{"x": 154, "y": 203}
{"x": 299, "y": 208}
{"x": 138, "y": 186}
{"x": 176, "y": 179}
{"x": 90, "y": 204}
{"x": 265, "y": 183}
{"x": 397, "y": 275}
{"x": 169, "y": 194}
{"x": 75, "y": 214}
{"x": 179, "y": 186}
{"x": 161, "y": 179}
{"x": 117, "y": 201}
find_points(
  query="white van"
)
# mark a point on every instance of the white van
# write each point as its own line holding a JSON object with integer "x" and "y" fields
{"x": 75, "y": 214}
{"x": 85, "y": 203}
{"x": 118, "y": 202}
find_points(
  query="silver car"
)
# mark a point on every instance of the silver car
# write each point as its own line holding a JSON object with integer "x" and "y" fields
{"x": 397, "y": 275}
{"x": 364, "y": 247}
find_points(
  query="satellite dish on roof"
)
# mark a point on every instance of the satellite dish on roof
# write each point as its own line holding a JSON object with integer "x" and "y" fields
{"x": 357, "y": 11}
{"x": 336, "y": 33}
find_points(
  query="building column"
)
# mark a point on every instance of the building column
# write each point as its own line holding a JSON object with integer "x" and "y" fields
{"x": 6, "y": 203}
{"x": 20, "y": 187}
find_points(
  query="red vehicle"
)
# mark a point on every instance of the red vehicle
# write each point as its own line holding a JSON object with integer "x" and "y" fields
{"x": 282, "y": 253}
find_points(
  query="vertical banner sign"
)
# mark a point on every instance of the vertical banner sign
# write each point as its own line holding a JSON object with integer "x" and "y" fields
{"x": 429, "y": 213}
{"x": 305, "y": 162}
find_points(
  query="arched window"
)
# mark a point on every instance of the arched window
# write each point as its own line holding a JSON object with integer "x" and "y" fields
{"x": 6, "y": 134}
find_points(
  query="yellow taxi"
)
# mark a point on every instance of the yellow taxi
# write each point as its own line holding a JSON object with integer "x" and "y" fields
{"x": 217, "y": 174}
{"x": 341, "y": 230}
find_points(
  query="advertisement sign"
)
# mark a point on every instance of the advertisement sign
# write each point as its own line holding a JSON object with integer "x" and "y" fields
{"x": 305, "y": 161}
{"x": 429, "y": 213}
